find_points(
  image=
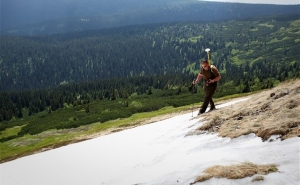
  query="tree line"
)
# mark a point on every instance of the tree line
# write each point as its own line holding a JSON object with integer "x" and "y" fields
{"x": 46, "y": 72}
{"x": 13, "y": 103}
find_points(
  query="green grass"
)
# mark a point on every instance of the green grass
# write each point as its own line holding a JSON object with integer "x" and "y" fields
{"x": 10, "y": 131}
{"x": 28, "y": 144}
{"x": 297, "y": 40}
{"x": 194, "y": 39}
{"x": 267, "y": 25}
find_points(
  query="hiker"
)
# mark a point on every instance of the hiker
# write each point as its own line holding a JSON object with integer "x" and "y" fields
{"x": 211, "y": 76}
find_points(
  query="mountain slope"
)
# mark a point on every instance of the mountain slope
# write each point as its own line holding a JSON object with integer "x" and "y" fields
{"x": 35, "y": 17}
{"x": 259, "y": 114}
{"x": 256, "y": 48}
{"x": 271, "y": 112}
{"x": 162, "y": 153}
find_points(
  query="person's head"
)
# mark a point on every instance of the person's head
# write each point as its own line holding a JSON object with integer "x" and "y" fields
{"x": 205, "y": 65}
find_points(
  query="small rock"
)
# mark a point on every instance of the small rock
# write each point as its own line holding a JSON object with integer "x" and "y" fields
{"x": 272, "y": 94}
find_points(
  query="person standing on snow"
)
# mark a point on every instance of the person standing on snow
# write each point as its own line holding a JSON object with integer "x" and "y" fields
{"x": 211, "y": 76}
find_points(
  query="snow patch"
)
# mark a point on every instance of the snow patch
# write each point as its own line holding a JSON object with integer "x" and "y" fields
{"x": 157, "y": 153}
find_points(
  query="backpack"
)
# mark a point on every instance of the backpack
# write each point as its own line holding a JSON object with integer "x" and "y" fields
{"x": 211, "y": 66}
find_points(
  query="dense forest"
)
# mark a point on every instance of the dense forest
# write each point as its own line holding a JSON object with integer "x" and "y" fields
{"x": 47, "y": 61}
{"x": 117, "y": 72}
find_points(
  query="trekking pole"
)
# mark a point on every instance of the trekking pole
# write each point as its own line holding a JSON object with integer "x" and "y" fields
{"x": 192, "y": 108}
{"x": 193, "y": 101}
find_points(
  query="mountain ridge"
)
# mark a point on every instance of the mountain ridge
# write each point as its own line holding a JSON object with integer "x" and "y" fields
{"x": 134, "y": 13}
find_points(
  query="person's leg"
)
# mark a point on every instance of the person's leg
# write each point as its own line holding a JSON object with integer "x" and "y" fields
{"x": 205, "y": 103}
{"x": 212, "y": 104}
{"x": 212, "y": 92}
{"x": 209, "y": 91}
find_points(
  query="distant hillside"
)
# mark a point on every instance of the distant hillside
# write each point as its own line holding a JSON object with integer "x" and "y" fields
{"x": 253, "y": 49}
{"x": 34, "y": 17}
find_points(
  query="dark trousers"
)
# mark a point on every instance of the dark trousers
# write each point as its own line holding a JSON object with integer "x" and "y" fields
{"x": 209, "y": 91}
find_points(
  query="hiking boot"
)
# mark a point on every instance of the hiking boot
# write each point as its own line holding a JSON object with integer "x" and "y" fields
{"x": 212, "y": 108}
{"x": 200, "y": 112}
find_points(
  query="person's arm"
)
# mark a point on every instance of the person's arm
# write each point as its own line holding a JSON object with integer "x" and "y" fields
{"x": 217, "y": 75}
{"x": 198, "y": 78}
{"x": 215, "y": 79}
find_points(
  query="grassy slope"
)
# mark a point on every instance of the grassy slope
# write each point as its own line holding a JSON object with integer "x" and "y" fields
{"x": 50, "y": 139}
{"x": 53, "y": 138}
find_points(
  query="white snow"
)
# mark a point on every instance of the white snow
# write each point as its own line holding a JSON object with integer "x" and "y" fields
{"x": 159, "y": 153}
